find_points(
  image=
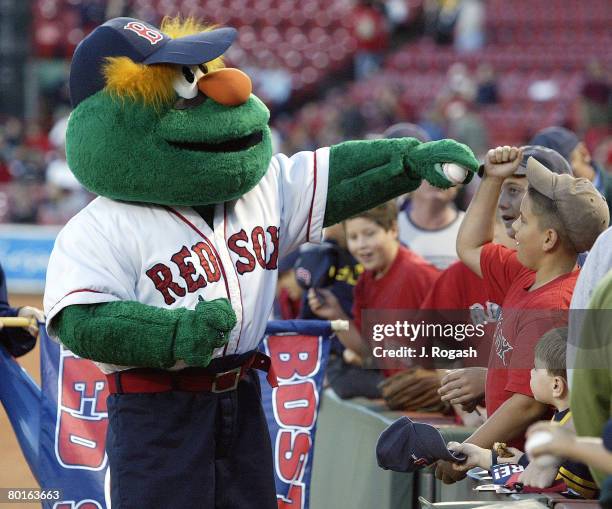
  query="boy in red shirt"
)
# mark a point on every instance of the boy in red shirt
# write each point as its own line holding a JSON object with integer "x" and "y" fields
{"x": 394, "y": 277}
{"x": 560, "y": 217}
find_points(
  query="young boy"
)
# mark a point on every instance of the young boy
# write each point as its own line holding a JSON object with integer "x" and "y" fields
{"x": 394, "y": 278}
{"x": 549, "y": 385}
{"x": 560, "y": 216}
{"x": 459, "y": 288}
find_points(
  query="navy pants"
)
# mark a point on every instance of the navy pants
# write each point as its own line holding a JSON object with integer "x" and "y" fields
{"x": 191, "y": 450}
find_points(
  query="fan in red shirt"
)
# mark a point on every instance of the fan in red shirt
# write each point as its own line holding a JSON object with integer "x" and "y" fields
{"x": 560, "y": 216}
{"x": 460, "y": 297}
{"x": 394, "y": 277}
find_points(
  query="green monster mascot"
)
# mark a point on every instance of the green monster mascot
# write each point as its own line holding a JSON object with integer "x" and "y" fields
{"x": 166, "y": 280}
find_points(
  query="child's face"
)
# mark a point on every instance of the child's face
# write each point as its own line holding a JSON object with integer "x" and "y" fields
{"x": 509, "y": 204}
{"x": 542, "y": 384}
{"x": 529, "y": 238}
{"x": 370, "y": 243}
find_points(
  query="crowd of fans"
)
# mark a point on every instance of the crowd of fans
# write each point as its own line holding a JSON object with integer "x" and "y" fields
{"x": 425, "y": 251}
{"x": 511, "y": 261}
{"x": 35, "y": 185}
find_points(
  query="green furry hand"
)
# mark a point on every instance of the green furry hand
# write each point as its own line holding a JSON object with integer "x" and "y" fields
{"x": 426, "y": 161}
{"x": 200, "y": 331}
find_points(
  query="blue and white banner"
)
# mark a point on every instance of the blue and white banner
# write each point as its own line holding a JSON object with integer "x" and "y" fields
{"x": 62, "y": 427}
{"x": 299, "y": 361}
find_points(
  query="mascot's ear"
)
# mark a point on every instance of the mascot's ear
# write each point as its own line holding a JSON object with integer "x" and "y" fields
{"x": 151, "y": 84}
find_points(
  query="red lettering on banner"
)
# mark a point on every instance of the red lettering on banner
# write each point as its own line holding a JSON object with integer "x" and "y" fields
{"x": 83, "y": 418}
{"x": 293, "y": 449}
{"x": 296, "y": 359}
{"x": 295, "y": 356}
{"x": 83, "y": 504}
{"x": 294, "y": 498}
{"x": 296, "y": 404}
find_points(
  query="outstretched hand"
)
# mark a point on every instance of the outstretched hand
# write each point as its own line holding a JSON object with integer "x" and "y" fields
{"x": 426, "y": 161}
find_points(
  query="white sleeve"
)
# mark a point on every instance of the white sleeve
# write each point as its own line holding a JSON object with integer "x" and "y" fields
{"x": 86, "y": 267}
{"x": 303, "y": 193}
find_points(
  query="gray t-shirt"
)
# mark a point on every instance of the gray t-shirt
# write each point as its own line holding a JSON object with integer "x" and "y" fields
{"x": 436, "y": 246}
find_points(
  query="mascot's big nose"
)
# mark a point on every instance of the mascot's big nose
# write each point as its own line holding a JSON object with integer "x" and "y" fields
{"x": 229, "y": 87}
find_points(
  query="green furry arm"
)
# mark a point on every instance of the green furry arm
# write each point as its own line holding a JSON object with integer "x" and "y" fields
{"x": 363, "y": 174}
{"x": 134, "y": 334}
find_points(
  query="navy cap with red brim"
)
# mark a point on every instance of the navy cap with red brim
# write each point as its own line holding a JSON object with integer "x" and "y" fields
{"x": 142, "y": 43}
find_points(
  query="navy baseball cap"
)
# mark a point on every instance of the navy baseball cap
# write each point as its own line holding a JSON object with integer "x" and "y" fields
{"x": 406, "y": 446}
{"x": 550, "y": 158}
{"x": 316, "y": 265}
{"x": 558, "y": 138}
{"x": 287, "y": 262}
{"x": 143, "y": 43}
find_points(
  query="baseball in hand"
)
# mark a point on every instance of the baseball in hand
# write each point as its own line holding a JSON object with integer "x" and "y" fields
{"x": 455, "y": 173}
{"x": 535, "y": 440}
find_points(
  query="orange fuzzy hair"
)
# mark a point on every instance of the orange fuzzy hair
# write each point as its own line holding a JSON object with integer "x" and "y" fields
{"x": 152, "y": 84}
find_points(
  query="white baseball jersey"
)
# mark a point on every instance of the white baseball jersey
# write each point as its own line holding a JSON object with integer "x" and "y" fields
{"x": 168, "y": 256}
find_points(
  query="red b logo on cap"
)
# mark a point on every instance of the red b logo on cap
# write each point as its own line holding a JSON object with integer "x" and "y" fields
{"x": 153, "y": 36}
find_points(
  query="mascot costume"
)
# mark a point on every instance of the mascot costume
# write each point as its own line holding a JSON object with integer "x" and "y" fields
{"x": 167, "y": 279}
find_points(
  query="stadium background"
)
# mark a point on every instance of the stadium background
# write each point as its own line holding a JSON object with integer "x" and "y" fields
{"x": 482, "y": 72}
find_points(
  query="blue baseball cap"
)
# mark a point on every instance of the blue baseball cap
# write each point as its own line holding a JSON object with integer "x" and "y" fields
{"x": 406, "y": 446}
{"x": 558, "y": 138}
{"x": 143, "y": 43}
{"x": 316, "y": 265}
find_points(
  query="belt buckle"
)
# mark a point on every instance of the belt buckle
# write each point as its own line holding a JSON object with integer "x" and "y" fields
{"x": 236, "y": 372}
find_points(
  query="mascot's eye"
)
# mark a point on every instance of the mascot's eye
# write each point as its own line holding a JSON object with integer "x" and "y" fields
{"x": 189, "y": 76}
{"x": 203, "y": 68}
{"x": 186, "y": 81}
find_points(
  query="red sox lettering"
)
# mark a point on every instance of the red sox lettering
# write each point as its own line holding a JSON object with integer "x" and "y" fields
{"x": 199, "y": 265}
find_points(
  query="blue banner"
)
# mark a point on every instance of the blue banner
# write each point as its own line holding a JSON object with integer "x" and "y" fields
{"x": 73, "y": 431}
{"x": 62, "y": 427}
{"x": 291, "y": 409}
{"x": 25, "y": 251}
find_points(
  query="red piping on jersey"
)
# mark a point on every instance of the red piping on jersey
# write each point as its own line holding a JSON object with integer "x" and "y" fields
{"x": 237, "y": 278}
{"x": 195, "y": 229}
{"x": 70, "y": 293}
{"x": 314, "y": 191}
